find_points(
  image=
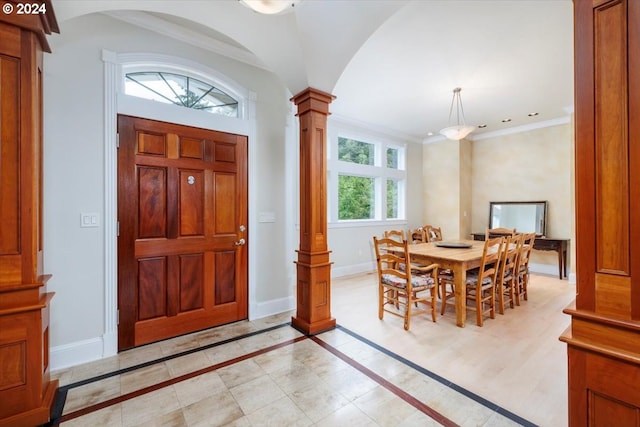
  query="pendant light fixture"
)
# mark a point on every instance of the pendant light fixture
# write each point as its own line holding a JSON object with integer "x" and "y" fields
{"x": 270, "y": 7}
{"x": 458, "y": 131}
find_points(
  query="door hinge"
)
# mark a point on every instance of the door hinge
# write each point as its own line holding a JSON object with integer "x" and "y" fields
{"x": 118, "y": 228}
{"x": 118, "y": 316}
{"x": 117, "y": 140}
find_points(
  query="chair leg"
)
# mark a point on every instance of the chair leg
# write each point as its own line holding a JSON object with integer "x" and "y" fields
{"x": 434, "y": 291}
{"x": 511, "y": 293}
{"x": 479, "y": 306}
{"x": 407, "y": 313}
{"x": 381, "y": 298}
{"x": 500, "y": 293}
{"x": 492, "y": 303}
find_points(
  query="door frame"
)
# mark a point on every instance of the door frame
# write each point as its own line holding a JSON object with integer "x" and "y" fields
{"x": 116, "y": 102}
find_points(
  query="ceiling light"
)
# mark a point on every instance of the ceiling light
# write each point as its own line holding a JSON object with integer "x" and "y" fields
{"x": 460, "y": 129}
{"x": 271, "y": 7}
{"x": 482, "y": 126}
{"x": 506, "y": 120}
{"x": 532, "y": 114}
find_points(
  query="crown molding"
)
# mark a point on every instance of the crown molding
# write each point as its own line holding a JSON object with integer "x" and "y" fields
{"x": 508, "y": 131}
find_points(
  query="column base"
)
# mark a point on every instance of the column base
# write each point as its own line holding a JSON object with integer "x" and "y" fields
{"x": 314, "y": 327}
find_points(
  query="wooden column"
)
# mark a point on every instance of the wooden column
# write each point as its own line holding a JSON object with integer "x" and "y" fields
{"x": 603, "y": 341}
{"x": 313, "y": 313}
{"x": 26, "y": 389}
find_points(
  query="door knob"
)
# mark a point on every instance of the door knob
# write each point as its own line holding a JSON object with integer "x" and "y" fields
{"x": 240, "y": 242}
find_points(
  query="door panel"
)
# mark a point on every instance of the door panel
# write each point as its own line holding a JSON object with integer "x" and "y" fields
{"x": 182, "y": 199}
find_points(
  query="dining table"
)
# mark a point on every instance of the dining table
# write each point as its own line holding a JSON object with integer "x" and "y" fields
{"x": 455, "y": 255}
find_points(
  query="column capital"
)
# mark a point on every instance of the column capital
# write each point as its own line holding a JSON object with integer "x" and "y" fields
{"x": 312, "y": 100}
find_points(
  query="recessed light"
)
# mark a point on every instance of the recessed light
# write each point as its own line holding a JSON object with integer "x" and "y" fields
{"x": 482, "y": 126}
{"x": 429, "y": 133}
{"x": 506, "y": 120}
{"x": 532, "y": 114}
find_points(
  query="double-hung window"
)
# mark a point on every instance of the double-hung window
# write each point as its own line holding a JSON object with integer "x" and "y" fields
{"x": 366, "y": 179}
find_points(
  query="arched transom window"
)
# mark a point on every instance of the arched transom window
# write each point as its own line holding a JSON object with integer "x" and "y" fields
{"x": 178, "y": 89}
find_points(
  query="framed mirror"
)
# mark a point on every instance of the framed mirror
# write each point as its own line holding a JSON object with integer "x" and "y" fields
{"x": 525, "y": 217}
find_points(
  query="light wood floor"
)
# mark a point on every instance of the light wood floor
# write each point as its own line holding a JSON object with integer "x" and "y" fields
{"x": 514, "y": 360}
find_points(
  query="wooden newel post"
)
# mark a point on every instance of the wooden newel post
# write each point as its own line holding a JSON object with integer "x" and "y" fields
{"x": 313, "y": 311}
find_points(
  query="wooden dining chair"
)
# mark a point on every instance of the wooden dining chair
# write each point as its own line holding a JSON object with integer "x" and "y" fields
{"x": 399, "y": 289}
{"x": 522, "y": 281}
{"x": 397, "y": 235}
{"x": 491, "y": 233}
{"x": 481, "y": 284}
{"x": 433, "y": 234}
{"x": 417, "y": 235}
{"x": 508, "y": 272}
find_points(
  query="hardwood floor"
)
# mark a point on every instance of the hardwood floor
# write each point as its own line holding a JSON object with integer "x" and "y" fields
{"x": 515, "y": 360}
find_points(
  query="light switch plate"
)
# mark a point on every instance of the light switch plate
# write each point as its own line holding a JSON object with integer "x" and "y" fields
{"x": 89, "y": 220}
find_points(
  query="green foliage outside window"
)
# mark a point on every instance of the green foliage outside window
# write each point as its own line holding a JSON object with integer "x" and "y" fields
{"x": 356, "y": 197}
{"x": 392, "y": 158}
{"x": 356, "y": 194}
{"x": 392, "y": 198}
{"x": 350, "y": 150}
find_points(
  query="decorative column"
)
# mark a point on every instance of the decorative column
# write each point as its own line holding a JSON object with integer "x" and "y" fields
{"x": 313, "y": 312}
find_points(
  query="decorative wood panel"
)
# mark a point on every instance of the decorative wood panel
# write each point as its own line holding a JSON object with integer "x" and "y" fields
{"x": 13, "y": 357}
{"x": 191, "y": 202}
{"x": 612, "y": 145}
{"x": 152, "y": 144}
{"x": 152, "y": 288}
{"x": 192, "y": 148}
{"x": 225, "y": 277}
{"x": 9, "y": 157}
{"x": 152, "y": 205}
{"x": 192, "y": 282}
{"x": 224, "y": 152}
{"x": 225, "y": 212}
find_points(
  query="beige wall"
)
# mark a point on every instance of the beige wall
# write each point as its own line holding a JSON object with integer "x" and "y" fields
{"x": 527, "y": 166}
{"x": 442, "y": 164}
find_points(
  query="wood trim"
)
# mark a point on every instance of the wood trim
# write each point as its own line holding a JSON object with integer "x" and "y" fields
{"x": 633, "y": 9}
{"x": 584, "y": 156}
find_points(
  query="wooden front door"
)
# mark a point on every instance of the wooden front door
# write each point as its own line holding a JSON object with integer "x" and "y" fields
{"x": 182, "y": 212}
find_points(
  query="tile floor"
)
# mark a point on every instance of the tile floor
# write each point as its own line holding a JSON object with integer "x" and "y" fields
{"x": 266, "y": 373}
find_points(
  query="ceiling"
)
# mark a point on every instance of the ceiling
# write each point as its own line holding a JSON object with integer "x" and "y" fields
{"x": 392, "y": 64}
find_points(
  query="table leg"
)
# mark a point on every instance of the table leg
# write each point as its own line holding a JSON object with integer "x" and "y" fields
{"x": 460, "y": 284}
{"x": 560, "y": 263}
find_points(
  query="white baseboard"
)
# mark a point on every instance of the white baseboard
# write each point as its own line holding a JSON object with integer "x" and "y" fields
{"x": 77, "y": 353}
{"x": 551, "y": 270}
{"x": 268, "y": 308}
{"x": 352, "y": 269}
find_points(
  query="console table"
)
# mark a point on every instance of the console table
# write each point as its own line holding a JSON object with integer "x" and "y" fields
{"x": 546, "y": 244}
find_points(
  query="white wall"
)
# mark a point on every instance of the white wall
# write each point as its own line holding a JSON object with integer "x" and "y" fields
{"x": 74, "y": 176}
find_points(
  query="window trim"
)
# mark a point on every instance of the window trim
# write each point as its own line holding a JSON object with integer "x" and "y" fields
{"x": 379, "y": 171}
